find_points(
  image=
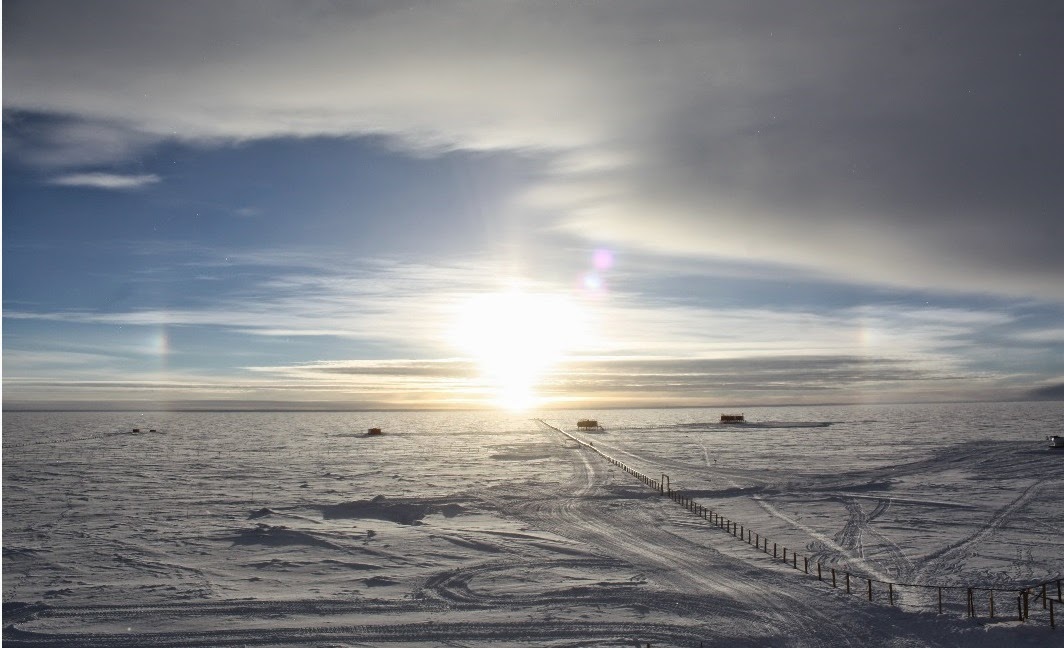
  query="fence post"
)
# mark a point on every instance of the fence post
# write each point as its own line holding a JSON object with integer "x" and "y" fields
{"x": 1019, "y": 604}
{"x": 819, "y": 577}
{"x": 991, "y": 604}
{"x": 1052, "y": 619}
{"x": 940, "y": 600}
{"x": 785, "y": 554}
{"x": 773, "y": 549}
{"x": 833, "y": 577}
{"x": 1026, "y": 604}
{"x": 806, "y": 561}
{"x": 794, "y": 560}
{"x": 847, "y": 582}
{"x": 971, "y": 603}
{"x": 1045, "y": 597}
{"x": 890, "y": 592}
{"x": 869, "y": 588}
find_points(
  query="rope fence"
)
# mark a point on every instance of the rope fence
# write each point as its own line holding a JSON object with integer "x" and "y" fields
{"x": 1014, "y": 603}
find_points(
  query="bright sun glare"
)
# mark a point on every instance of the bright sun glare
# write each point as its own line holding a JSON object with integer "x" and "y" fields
{"x": 516, "y": 338}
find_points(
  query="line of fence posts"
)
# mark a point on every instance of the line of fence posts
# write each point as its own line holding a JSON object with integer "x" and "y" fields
{"x": 664, "y": 486}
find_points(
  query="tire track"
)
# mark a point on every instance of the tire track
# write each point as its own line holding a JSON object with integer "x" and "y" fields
{"x": 674, "y": 563}
{"x": 945, "y": 561}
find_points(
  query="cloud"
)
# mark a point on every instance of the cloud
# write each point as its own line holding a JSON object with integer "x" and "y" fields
{"x": 381, "y": 329}
{"x": 63, "y": 140}
{"x": 1042, "y": 336}
{"x": 1048, "y": 392}
{"x": 18, "y": 360}
{"x": 413, "y": 307}
{"x": 405, "y": 307}
{"x": 908, "y": 144}
{"x": 373, "y": 369}
{"x": 759, "y": 379}
{"x": 105, "y": 180}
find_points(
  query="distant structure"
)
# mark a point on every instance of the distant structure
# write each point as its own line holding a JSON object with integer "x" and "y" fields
{"x": 732, "y": 418}
{"x": 588, "y": 424}
{"x": 374, "y": 432}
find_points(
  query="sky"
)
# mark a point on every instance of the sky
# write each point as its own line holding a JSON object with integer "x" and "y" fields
{"x": 267, "y": 203}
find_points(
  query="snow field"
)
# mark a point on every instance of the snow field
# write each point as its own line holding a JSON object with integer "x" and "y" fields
{"x": 267, "y": 529}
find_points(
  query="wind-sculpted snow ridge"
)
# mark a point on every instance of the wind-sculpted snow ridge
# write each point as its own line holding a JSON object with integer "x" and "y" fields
{"x": 381, "y": 508}
{"x": 1045, "y": 594}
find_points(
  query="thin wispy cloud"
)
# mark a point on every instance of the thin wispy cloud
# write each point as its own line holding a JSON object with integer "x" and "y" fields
{"x": 99, "y": 180}
{"x": 638, "y": 347}
{"x": 849, "y": 140}
{"x": 824, "y": 200}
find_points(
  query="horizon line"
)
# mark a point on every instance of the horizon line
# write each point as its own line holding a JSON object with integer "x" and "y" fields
{"x": 42, "y": 409}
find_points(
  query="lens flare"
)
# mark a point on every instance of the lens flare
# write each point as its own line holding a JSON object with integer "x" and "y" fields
{"x": 603, "y": 259}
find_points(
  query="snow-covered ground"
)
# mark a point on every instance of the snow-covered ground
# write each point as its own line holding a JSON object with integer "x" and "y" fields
{"x": 476, "y": 529}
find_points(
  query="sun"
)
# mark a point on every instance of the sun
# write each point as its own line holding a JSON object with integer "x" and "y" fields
{"x": 516, "y": 337}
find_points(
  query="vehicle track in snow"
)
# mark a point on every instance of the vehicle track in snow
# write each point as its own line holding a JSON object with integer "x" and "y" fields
{"x": 689, "y": 591}
{"x": 940, "y": 565}
{"x": 848, "y": 543}
{"x": 860, "y": 540}
{"x": 720, "y": 586}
